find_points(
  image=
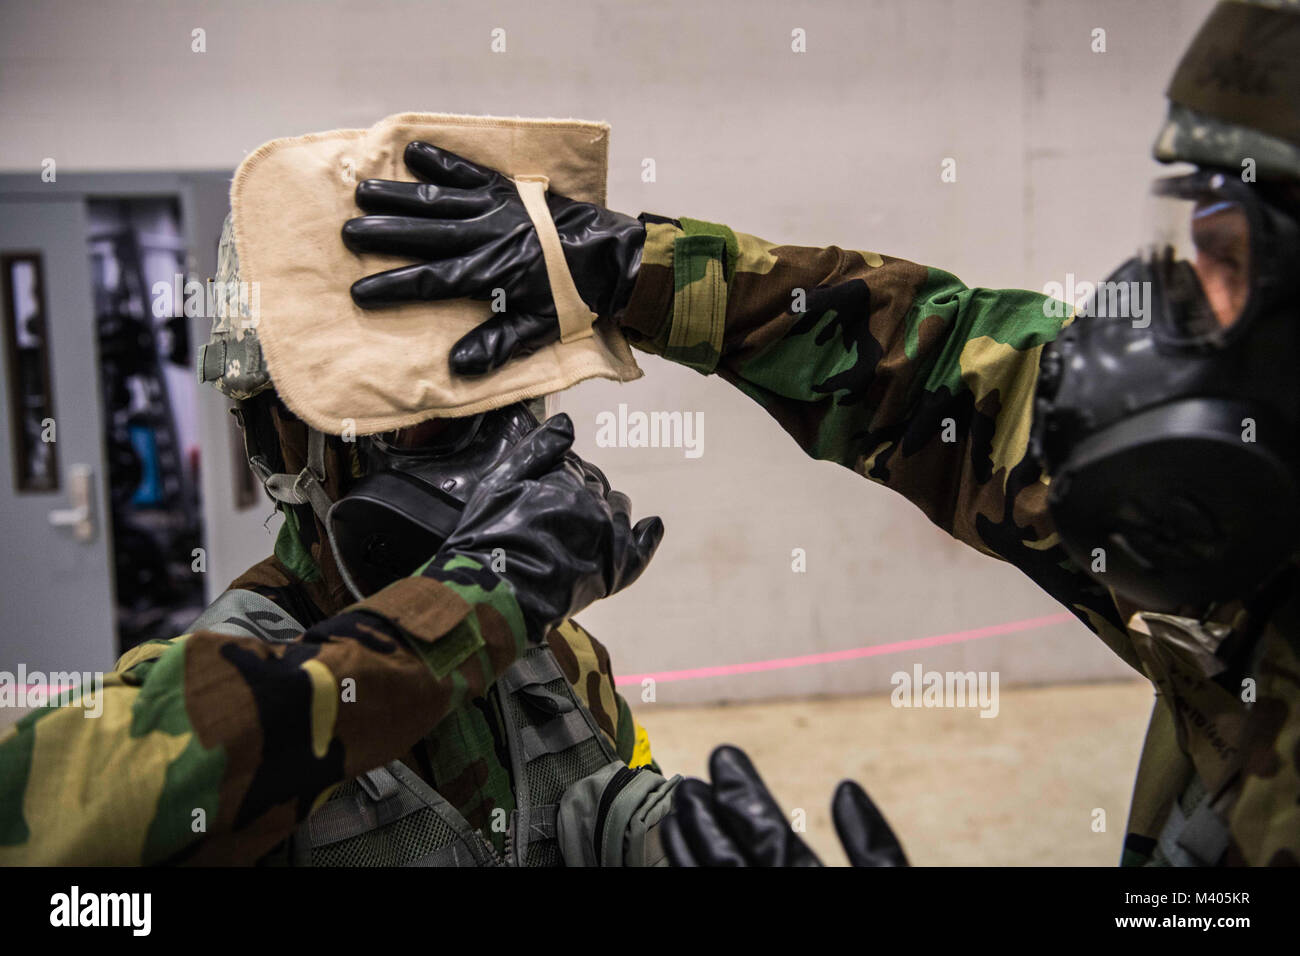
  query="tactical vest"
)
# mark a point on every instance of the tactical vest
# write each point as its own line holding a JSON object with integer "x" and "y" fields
{"x": 390, "y": 817}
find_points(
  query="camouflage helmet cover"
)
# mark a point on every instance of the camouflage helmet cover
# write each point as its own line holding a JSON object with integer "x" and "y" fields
{"x": 1236, "y": 93}
{"x": 232, "y": 359}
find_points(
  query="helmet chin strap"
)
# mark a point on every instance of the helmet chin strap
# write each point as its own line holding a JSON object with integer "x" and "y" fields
{"x": 307, "y": 487}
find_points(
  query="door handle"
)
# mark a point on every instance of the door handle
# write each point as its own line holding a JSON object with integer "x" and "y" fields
{"x": 80, "y": 517}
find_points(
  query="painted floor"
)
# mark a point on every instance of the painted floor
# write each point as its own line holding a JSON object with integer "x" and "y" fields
{"x": 1021, "y": 788}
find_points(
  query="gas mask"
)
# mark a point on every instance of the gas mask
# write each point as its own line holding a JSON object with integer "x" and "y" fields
{"x": 394, "y": 519}
{"x": 1168, "y": 412}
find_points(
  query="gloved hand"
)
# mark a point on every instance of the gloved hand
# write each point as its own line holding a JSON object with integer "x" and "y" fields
{"x": 469, "y": 229}
{"x": 566, "y": 537}
{"x": 736, "y": 822}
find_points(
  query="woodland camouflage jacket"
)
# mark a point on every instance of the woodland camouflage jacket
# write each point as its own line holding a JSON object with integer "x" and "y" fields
{"x": 861, "y": 358}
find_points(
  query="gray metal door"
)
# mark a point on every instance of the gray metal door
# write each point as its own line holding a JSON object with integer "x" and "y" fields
{"x": 56, "y": 599}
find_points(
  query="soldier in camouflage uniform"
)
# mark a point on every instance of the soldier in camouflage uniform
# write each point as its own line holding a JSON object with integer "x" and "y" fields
{"x": 881, "y": 355}
{"x": 294, "y": 725}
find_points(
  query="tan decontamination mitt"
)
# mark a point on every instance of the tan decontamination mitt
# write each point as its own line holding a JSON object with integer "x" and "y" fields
{"x": 333, "y": 362}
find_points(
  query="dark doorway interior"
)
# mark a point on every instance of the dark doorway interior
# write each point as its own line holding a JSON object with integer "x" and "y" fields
{"x": 147, "y": 387}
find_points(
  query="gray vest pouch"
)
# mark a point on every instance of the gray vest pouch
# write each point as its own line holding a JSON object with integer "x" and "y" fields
{"x": 553, "y": 741}
{"x": 388, "y": 817}
{"x": 611, "y": 818}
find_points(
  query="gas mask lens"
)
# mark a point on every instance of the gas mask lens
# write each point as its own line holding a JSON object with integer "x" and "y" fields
{"x": 1201, "y": 256}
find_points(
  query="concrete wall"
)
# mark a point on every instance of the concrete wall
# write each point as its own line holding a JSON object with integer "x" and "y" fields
{"x": 841, "y": 144}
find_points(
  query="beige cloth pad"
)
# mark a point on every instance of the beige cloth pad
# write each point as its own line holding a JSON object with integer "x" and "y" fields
{"x": 341, "y": 368}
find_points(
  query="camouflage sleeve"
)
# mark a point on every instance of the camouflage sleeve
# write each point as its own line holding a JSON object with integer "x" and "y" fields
{"x": 211, "y": 748}
{"x": 586, "y": 665}
{"x": 894, "y": 370}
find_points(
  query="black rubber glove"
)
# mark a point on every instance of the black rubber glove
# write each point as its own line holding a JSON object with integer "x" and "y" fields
{"x": 566, "y": 538}
{"x": 736, "y": 822}
{"x": 469, "y": 229}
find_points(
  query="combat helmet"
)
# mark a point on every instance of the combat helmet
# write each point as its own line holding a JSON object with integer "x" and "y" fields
{"x": 1233, "y": 99}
